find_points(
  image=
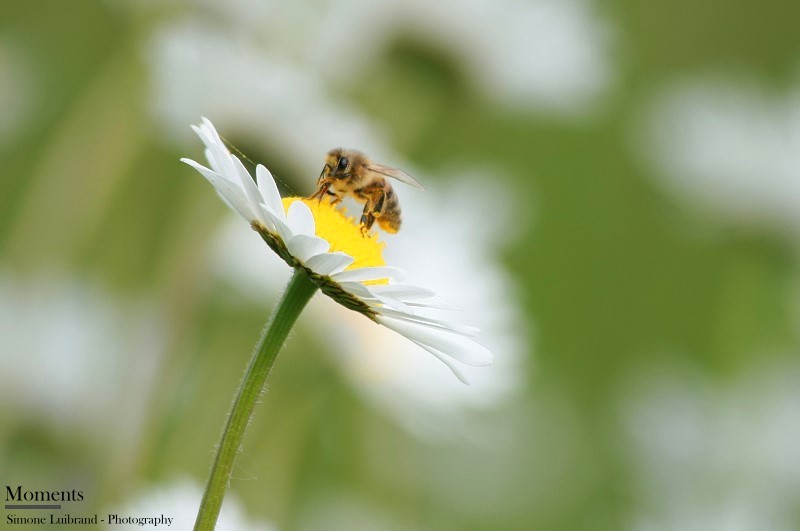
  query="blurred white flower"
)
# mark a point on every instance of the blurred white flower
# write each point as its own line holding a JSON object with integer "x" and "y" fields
{"x": 543, "y": 54}
{"x": 343, "y": 262}
{"x": 179, "y": 500}
{"x": 549, "y": 55}
{"x": 64, "y": 343}
{"x": 244, "y": 88}
{"x": 709, "y": 455}
{"x": 730, "y": 147}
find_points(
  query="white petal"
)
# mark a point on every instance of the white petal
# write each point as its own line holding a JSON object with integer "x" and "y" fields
{"x": 435, "y": 302}
{"x": 211, "y": 176}
{"x": 403, "y": 292}
{"x": 278, "y": 225}
{"x": 236, "y": 199}
{"x": 205, "y": 138}
{"x": 219, "y": 155}
{"x": 269, "y": 190}
{"x": 357, "y": 289}
{"x": 438, "y": 324}
{"x": 209, "y": 127}
{"x": 212, "y": 137}
{"x": 329, "y": 263}
{"x": 232, "y": 194}
{"x": 248, "y": 185}
{"x": 304, "y": 247}
{"x": 199, "y": 131}
{"x": 219, "y": 168}
{"x": 300, "y": 219}
{"x": 391, "y": 302}
{"x": 367, "y": 273}
{"x": 376, "y": 301}
{"x": 266, "y": 220}
{"x": 447, "y": 361}
{"x": 212, "y": 161}
{"x": 199, "y": 167}
{"x": 454, "y": 345}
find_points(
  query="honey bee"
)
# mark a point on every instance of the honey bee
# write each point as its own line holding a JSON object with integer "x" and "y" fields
{"x": 348, "y": 172}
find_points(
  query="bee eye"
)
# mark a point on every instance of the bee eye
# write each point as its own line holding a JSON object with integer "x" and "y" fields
{"x": 342, "y": 164}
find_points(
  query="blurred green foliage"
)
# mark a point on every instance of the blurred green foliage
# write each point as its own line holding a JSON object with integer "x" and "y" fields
{"x": 612, "y": 274}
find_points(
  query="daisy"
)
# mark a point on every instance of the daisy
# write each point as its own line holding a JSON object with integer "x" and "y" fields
{"x": 328, "y": 252}
{"x": 314, "y": 237}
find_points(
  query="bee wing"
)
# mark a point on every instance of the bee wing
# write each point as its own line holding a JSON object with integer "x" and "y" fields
{"x": 394, "y": 173}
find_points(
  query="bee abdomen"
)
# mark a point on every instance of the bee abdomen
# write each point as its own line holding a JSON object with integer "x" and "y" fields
{"x": 389, "y": 219}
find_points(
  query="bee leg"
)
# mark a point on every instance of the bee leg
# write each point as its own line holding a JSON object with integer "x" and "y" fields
{"x": 367, "y": 220}
{"x": 367, "y": 217}
{"x": 372, "y": 211}
{"x": 323, "y": 183}
{"x": 378, "y": 209}
{"x": 335, "y": 199}
{"x": 321, "y": 191}
{"x": 324, "y": 173}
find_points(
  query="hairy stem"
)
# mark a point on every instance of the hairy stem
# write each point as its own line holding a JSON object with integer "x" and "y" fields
{"x": 297, "y": 294}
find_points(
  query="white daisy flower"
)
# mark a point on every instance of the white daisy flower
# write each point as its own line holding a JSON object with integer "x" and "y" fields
{"x": 345, "y": 264}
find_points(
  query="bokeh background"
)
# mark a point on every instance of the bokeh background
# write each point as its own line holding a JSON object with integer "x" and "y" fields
{"x": 613, "y": 197}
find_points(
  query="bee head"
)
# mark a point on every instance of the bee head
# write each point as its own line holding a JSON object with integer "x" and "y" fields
{"x": 339, "y": 163}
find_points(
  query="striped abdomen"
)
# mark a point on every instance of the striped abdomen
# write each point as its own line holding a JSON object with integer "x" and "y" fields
{"x": 388, "y": 217}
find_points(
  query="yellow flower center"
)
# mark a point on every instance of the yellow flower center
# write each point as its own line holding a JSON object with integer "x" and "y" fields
{"x": 344, "y": 234}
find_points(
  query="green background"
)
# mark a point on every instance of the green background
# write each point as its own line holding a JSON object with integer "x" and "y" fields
{"x": 617, "y": 277}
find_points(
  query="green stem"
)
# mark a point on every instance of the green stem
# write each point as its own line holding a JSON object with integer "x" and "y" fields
{"x": 297, "y": 294}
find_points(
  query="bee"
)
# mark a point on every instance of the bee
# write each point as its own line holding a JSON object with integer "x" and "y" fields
{"x": 348, "y": 172}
